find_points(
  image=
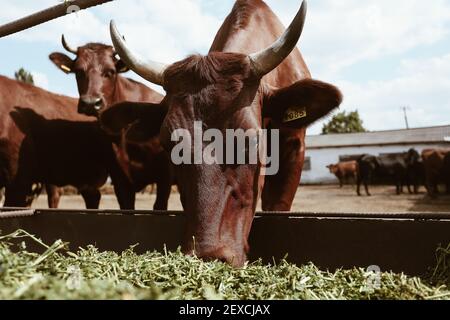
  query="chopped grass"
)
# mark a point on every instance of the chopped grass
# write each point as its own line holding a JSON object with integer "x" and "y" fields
{"x": 90, "y": 274}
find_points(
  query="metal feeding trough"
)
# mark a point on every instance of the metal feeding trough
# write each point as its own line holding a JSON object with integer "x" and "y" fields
{"x": 398, "y": 242}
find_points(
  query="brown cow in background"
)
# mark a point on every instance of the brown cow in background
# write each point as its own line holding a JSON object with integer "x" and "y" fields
{"x": 249, "y": 75}
{"x": 28, "y": 157}
{"x": 100, "y": 85}
{"x": 344, "y": 170}
{"x": 436, "y": 162}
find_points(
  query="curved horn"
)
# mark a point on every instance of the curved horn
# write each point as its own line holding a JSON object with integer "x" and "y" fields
{"x": 149, "y": 70}
{"x": 271, "y": 57}
{"x": 67, "y": 47}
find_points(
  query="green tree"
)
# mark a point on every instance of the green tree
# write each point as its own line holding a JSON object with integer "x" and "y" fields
{"x": 344, "y": 122}
{"x": 24, "y": 76}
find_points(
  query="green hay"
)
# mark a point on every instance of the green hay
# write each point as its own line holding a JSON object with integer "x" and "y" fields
{"x": 90, "y": 274}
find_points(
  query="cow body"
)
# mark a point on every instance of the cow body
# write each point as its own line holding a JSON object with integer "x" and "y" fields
{"x": 100, "y": 86}
{"x": 32, "y": 149}
{"x": 436, "y": 163}
{"x": 398, "y": 169}
{"x": 345, "y": 170}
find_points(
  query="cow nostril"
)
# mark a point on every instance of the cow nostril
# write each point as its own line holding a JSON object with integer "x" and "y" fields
{"x": 98, "y": 104}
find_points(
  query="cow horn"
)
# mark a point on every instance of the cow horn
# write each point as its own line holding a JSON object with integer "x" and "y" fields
{"x": 271, "y": 57}
{"x": 67, "y": 47}
{"x": 149, "y": 70}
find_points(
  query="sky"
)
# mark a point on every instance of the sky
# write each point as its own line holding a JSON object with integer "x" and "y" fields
{"x": 382, "y": 54}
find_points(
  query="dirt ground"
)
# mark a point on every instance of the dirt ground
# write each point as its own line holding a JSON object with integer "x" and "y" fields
{"x": 308, "y": 199}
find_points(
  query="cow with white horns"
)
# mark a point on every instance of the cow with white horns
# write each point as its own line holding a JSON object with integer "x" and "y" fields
{"x": 238, "y": 85}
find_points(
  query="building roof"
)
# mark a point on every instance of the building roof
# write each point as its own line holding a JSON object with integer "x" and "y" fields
{"x": 427, "y": 135}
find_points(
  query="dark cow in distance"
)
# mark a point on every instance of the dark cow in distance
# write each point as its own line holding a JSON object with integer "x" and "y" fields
{"x": 344, "y": 170}
{"x": 100, "y": 85}
{"x": 230, "y": 88}
{"x": 395, "y": 168}
{"x": 437, "y": 169}
{"x": 27, "y": 158}
{"x": 84, "y": 153}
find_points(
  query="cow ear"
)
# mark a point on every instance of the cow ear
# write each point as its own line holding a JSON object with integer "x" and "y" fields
{"x": 121, "y": 67}
{"x": 62, "y": 61}
{"x": 141, "y": 121}
{"x": 301, "y": 104}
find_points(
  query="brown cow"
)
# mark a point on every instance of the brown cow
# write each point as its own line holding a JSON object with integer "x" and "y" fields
{"x": 227, "y": 89}
{"x": 27, "y": 157}
{"x": 100, "y": 85}
{"x": 344, "y": 170}
{"x": 435, "y": 163}
{"x": 446, "y": 171}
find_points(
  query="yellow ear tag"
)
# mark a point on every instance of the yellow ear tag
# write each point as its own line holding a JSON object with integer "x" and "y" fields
{"x": 65, "y": 68}
{"x": 294, "y": 113}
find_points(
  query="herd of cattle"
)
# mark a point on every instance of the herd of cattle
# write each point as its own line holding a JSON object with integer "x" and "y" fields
{"x": 119, "y": 128}
{"x": 407, "y": 169}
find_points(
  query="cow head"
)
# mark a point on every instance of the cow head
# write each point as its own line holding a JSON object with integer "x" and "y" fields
{"x": 333, "y": 168}
{"x": 221, "y": 91}
{"x": 96, "y": 68}
{"x": 412, "y": 157}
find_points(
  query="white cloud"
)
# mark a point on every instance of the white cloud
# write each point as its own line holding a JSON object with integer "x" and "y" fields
{"x": 422, "y": 84}
{"x": 340, "y": 33}
{"x": 40, "y": 80}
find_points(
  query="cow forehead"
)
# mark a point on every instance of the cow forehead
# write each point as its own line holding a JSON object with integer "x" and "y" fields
{"x": 95, "y": 55}
{"x": 198, "y": 72}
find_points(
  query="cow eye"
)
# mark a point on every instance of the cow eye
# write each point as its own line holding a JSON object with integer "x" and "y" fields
{"x": 108, "y": 73}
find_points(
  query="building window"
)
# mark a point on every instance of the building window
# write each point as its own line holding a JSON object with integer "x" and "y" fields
{"x": 307, "y": 164}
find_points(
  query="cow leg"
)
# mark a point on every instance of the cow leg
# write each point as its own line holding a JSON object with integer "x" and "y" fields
{"x": 366, "y": 186}
{"x": 358, "y": 186}
{"x": 126, "y": 197}
{"x": 53, "y": 196}
{"x": 410, "y": 191}
{"x": 125, "y": 192}
{"x": 163, "y": 189}
{"x": 431, "y": 186}
{"x": 399, "y": 187}
{"x": 91, "y": 197}
{"x": 416, "y": 188}
{"x": 16, "y": 195}
{"x": 341, "y": 184}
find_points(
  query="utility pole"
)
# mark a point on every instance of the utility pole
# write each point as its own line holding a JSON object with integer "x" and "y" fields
{"x": 405, "y": 109}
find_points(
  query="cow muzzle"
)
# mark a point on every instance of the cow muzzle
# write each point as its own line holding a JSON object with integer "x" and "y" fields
{"x": 90, "y": 106}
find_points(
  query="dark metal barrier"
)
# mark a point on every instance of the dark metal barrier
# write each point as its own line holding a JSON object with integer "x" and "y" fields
{"x": 404, "y": 242}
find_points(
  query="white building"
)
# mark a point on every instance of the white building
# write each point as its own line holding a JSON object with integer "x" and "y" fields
{"x": 323, "y": 150}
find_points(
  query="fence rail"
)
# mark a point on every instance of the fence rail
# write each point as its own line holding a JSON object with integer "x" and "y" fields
{"x": 7, "y": 212}
{"x": 65, "y": 8}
